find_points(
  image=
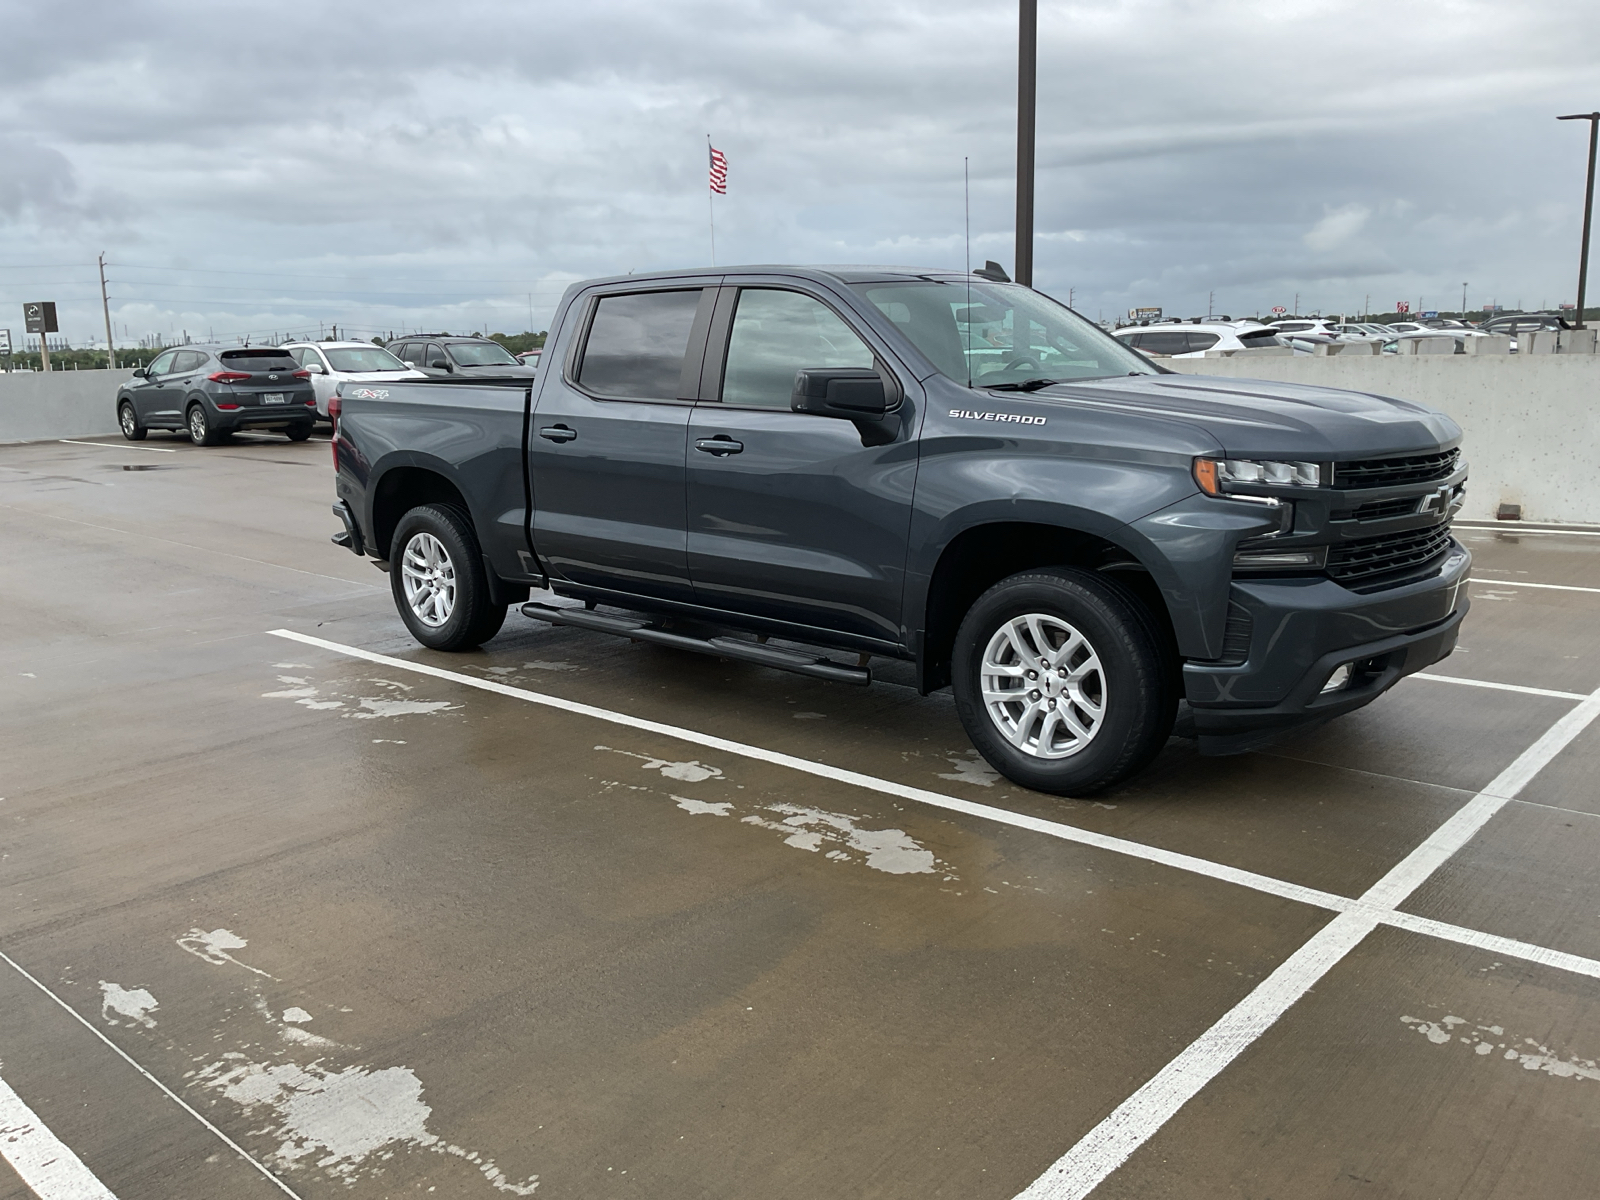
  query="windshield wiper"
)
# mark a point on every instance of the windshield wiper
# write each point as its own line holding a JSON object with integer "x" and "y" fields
{"x": 1027, "y": 385}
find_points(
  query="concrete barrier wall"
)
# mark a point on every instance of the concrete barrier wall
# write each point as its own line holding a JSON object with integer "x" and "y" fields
{"x": 62, "y": 404}
{"x": 1531, "y": 423}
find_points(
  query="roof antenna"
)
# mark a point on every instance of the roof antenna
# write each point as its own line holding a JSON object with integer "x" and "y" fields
{"x": 966, "y": 200}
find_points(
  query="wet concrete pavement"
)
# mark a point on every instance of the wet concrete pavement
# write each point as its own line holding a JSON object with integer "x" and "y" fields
{"x": 394, "y": 935}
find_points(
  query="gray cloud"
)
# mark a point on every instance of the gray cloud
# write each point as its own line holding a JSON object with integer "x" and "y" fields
{"x": 405, "y": 164}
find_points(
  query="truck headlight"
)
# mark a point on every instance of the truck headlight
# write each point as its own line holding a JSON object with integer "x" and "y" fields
{"x": 1212, "y": 473}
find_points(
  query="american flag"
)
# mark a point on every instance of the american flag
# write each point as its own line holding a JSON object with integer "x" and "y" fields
{"x": 719, "y": 171}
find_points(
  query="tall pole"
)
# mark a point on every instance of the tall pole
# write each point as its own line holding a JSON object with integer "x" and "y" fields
{"x": 1588, "y": 206}
{"x": 105, "y": 307}
{"x": 1027, "y": 93}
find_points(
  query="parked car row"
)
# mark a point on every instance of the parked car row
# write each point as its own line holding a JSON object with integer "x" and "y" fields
{"x": 212, "y": 392}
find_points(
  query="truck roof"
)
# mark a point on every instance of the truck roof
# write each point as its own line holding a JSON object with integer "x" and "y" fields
{"x": 823, "y": 274}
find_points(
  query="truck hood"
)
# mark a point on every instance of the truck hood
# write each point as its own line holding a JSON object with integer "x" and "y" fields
{"x": 1261, "y": 418}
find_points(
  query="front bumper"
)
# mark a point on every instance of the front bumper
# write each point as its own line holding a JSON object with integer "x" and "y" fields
{"x": 1299, "y": 632}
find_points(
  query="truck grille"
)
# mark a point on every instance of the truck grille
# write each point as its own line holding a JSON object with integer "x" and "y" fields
{"x": 1386, "y": 472}
{"x": 1365, "y": 560}
{"x": 1378, "y": 510}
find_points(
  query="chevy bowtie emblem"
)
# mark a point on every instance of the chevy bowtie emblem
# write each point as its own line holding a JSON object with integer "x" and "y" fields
{"x": 1436, "y": 501}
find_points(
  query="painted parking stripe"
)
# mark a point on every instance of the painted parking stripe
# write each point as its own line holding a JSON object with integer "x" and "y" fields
{"x": 1137, "y": 1119}
{"x": 1154, "y": 854}
{"x": 1499, "y": 687}
{"x": 45, "y": 1162}
{"x": 165, "y": 1090}
{"x": 1552, "y": 587}
{"x": 118, "y": 446}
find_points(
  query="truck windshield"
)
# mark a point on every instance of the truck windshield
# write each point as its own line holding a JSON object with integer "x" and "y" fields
{"x": 999, "y": 334}
{"x": 482, "y": 354}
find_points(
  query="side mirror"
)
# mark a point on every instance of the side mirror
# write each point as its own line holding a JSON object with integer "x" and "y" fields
{"x": 851, "y": 394}
{"x": 140, "y": 373}
{"x": 439, "y": 364}
{"x": 316, "y": 368}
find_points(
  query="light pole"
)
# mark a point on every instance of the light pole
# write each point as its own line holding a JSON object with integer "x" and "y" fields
{"x": 1588, "y": 205}
{"x": 1463, "y": 301}
{"x": 1027, "y": 92}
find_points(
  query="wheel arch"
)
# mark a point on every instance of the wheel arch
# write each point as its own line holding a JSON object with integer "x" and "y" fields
{"x": 401, "y": 482}
{"x": 985, "y": 551}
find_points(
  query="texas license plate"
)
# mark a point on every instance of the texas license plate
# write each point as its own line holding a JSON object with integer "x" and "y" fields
{"x": 274, "y": 398}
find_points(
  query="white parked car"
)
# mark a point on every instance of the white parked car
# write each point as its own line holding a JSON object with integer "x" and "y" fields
{"x": 333, "y": 363}
{"x": 1192, "y": 340}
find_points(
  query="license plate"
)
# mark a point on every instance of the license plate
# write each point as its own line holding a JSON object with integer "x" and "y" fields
{"x": 274, "y": 398}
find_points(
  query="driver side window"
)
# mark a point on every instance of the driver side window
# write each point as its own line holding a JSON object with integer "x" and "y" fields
{"x": 163, "y": 363}
{"x": 777, "y": 333}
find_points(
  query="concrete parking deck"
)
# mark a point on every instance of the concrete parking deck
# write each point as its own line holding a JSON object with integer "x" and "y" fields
{"x": 296, "y": 907}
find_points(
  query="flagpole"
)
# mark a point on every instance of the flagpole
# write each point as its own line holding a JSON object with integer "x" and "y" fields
{"x": 711, "y": 206}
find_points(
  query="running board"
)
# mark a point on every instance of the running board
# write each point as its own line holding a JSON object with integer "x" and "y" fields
{"x": 721, "y": 647}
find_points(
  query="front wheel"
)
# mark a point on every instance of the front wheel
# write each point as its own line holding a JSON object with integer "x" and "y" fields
{"x": 437, "y": 575}
{"x": 131, "y": 429}
{"x": 1060, "y": 683}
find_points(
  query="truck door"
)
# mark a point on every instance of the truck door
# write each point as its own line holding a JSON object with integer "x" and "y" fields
{"x": 790, "y": 515}
{"x": 607, "y": 443}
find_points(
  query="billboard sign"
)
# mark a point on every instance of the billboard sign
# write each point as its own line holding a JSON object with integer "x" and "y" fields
{"x": 1430, "y": 313}
{"x": 1402, "y": 306}
{"x": 40, "y": 316}
{"x": 1144, "y": 314}
{"x": 5, "y": 343}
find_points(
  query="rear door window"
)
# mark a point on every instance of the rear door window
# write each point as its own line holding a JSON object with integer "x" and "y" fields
{"x": 1201, "y": 341}
{"x": 188, "y": 360}
{"x": 637, "y": 345}
{"x": 777, "y": 333}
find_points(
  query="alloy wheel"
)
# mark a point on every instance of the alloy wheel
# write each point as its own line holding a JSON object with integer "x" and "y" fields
{"x": 1043, "y": 686}
{"x": 429, "y": 578}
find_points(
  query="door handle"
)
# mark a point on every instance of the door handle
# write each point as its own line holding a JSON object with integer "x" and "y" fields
{"x": 558, "y": 433}
{"x": 721, "y": 445}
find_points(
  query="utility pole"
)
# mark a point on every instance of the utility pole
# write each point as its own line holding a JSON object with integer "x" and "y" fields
{"x": 1211, "y": 303}
{"x": 105, "y": 308}
{"x": 1027, "y": 93}
{"x": 1588, "y": 206}
{"x": 1463, "y": 301}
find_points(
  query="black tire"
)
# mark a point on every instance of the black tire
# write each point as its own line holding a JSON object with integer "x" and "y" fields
{"x": 298, "y": 433}
{"x": 202, "y": 432}
{"x": 471, "y": 618}
{"x": 129, "y": 420}
{"x": 1133, "y": 682}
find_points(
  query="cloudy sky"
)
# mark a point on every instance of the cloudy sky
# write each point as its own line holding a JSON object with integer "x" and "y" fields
{"x": 255, "y": 168}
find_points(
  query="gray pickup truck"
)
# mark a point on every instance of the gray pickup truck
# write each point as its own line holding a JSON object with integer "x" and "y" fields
{"x": 775, "y": 464}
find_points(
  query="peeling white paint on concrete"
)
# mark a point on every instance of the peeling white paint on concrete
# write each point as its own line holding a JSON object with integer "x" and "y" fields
{"x": 693, "y": 771}
{"x": 703, "y": 807}
{"x": 809, "y": 716}
{"x": 890, "y": 850}
{"x": 296, "y": 1016}
{"x": 214, "y": 947}
{"x": 1487, "y": 1040}
{"x": 399, "y": 708}
{"x": 970, "y": 768}
{"x": 133, "y": 1005}
{"x": 346, "y": 1122}
{"x": 540, "y": 665}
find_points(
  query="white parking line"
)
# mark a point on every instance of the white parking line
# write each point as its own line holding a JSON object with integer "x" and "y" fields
{"x": 1002, "y": 816}
{"x": 1137, "y": 1119}
{"x": 45, "y": 1162}
{"x": 1552, "y": 587}
{"x": 168, "y": 1092}
{"x": 1499, "y": 687}
{"x": 118, "y": 446}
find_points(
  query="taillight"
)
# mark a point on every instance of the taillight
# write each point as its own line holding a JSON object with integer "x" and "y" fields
{"x": 302, "y": 374}
{"x": 335, "y": 407}
{"x": 311, "y": 403}
{"x": 226, "y": 407}
{"x": 228, "y": 376}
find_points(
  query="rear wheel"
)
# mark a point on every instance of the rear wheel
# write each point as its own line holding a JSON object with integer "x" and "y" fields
{"x": 201, "y": 431}
{"x": 298, "y": 433}
{"x": 437, "y": 575}
{"x": 131, "y": 429}
{"x": 1060, "y": 681}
